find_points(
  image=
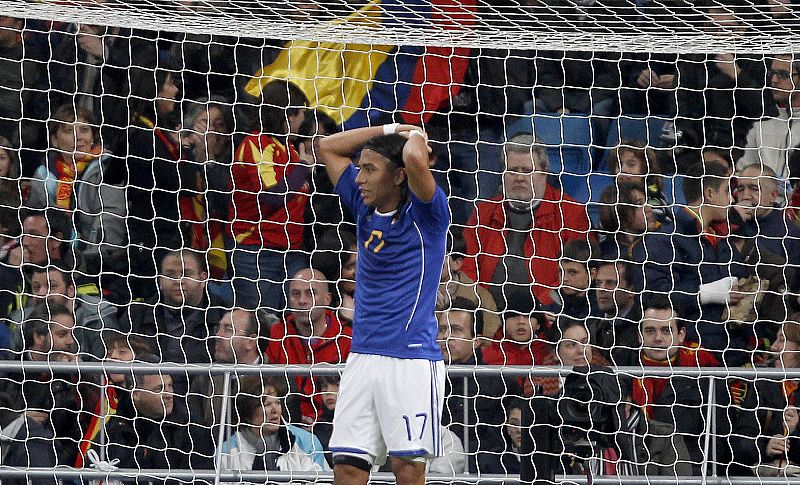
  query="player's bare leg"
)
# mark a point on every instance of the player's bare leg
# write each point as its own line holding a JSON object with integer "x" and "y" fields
{"x": 349, "y": 475}
{"x": 408, "y": 472}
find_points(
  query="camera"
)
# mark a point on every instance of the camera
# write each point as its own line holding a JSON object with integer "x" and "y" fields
{"x": 571, "y": 430}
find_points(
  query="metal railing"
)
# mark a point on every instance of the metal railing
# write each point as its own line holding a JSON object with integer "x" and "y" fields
{"x": 455, "y": 371}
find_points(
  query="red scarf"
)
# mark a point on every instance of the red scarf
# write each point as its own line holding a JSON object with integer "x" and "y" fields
{"x": 68, "y": 172}
{"x": 111, "y": 402}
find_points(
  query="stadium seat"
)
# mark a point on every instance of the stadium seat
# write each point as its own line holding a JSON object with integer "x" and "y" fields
{"x": 646, "y": 129}
{"x": 568, "y": 139}
{"x": 598, "y": 182}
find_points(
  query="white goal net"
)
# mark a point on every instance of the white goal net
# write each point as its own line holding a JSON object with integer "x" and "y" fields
{"x": 620, "y": 296}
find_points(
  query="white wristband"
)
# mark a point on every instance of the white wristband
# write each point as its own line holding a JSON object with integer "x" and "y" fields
{"x": 390, "y": 129}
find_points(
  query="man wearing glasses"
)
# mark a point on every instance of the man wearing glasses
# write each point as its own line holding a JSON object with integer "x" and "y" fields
{"x": 771, "y": 140}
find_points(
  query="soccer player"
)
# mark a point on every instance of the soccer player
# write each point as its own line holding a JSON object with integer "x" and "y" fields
{"x": 391, "y": 394}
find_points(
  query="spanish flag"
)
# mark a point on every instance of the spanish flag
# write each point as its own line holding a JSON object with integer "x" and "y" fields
{"x": 360, "y": 84}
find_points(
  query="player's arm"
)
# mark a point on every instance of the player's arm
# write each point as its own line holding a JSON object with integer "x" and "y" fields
{"x": 416, "y": 157}
{"x": 336, "y": 151}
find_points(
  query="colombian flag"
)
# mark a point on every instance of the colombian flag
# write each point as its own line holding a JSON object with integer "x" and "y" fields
{"x": 359, "y": 84}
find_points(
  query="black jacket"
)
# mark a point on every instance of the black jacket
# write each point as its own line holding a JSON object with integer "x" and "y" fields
{"x": 484, "y": 411}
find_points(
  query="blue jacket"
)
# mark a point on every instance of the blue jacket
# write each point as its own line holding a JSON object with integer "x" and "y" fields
{"x": 678, "y": 263}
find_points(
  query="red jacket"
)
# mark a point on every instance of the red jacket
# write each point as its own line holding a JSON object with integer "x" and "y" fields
{"x": 286, "y": 346}
{"x": 261, "y": 163}
{"x": 558, "y": 219}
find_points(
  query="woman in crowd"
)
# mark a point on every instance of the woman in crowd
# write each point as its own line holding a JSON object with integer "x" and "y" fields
{"x": 75, "y": 178}
{"x": 264, "y": 441}
{"x": 207, "y": 137}
{"x": 154, "y": 174}
{"x": 570, "y": 349}
{"x": 269, "y": 180}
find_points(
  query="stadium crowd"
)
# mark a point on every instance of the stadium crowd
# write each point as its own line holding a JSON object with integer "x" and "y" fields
{"x": 153, "y": 210}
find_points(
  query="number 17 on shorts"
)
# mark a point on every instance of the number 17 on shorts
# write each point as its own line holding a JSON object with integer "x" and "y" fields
{"x": 389, "y": 405}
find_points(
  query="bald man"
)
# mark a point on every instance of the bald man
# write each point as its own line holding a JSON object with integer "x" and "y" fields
{"x": 309, "y": 334}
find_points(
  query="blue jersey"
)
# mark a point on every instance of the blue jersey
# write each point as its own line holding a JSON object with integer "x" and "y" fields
{"x": 398, "y": 270}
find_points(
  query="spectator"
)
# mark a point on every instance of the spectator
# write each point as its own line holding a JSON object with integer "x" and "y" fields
{"x": 725, "y": 90}
{"x": 698, "y": 265}
{"x": 767, "y": 242}
{"x": 521, "y": 343}
{"x": 264, "y": 440}
{"x": 633, "y": 162}
{"x": 44, "y": 241}
{"x": 88, "y": 69}
{"x": 74, "y": 178}
{"x": 571, "y": 349}
{"x": 208, "y": 126}
{"x": 155, "y": 175}
{"x": 626, "y": 217}
{"x": 766, "y": 439}
{"x": 179, "y": 322}
{"x": 573, "y": 298}
{"x": 504, "y": 460}
{"x": 150, "y": 429}
{"x": 615, "y": 331}
{"x": 323, "y": 427}
{"x": 21, "y": 78}
{"x": 513, "y": 240}
{"x": 53, "y": 406}
{"x": 92, "y": 315}
{"x": 454, "y": 283}
{"x": 238, "y": 341}
{"x": 472, "y": 405}
{"x": 676, "y": 400}
{"x": 10, "y": 183}
{"x": 310, "y": 333}
{"x": 771, "y": 140}
{"x": 649, "y": 83}
{"x": 121, "y": 348}
{"x": 270, "y": 186}
{"x": 336, "y": 257}
{"x": 10, "y": 263}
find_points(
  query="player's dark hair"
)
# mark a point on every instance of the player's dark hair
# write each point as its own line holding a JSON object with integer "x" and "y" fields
{"x": 461, "y": 304}
{"x": 389, "y": 146}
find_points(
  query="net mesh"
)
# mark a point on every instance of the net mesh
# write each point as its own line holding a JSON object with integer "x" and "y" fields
{"x": 621, "y": 178}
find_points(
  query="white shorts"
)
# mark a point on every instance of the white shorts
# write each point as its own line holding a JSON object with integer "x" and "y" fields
{"x": 389, "y": 405}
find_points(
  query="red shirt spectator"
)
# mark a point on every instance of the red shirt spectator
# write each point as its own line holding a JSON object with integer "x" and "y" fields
{"x": 288, "y": 346}
{"x": 556, "y": 220}
{"x": 268, "y": 181}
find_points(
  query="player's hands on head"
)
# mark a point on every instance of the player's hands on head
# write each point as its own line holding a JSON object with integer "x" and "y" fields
{"x": 416, "y": 148}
